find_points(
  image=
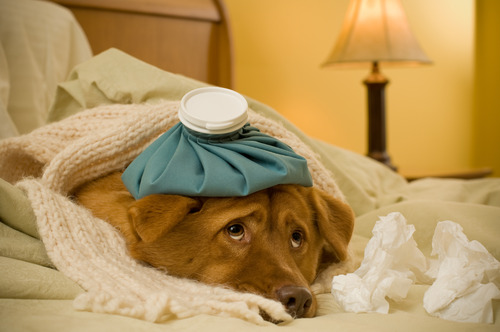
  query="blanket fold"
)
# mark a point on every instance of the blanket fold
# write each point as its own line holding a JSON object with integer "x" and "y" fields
{"x": 52, "y": 161}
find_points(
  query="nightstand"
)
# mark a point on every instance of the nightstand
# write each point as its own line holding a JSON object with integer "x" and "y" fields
{"x": 466, "y": 175}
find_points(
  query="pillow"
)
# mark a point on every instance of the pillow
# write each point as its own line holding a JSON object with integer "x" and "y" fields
{"x": 40, "y": 42}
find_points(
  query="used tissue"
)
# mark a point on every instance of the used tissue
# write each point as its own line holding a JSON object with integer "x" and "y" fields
{"x": 390, "y": 265}
{"x": 466, "y": 276}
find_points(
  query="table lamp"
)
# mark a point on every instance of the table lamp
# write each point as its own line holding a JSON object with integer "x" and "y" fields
{"x": 376, "y": 32}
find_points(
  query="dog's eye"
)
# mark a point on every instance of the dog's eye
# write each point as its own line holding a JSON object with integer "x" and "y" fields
{"x": 236, "y": 231}
{"x": 296, "y": 239}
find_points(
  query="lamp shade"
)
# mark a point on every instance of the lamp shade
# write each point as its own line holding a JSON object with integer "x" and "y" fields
{"x": 376, "y": 31}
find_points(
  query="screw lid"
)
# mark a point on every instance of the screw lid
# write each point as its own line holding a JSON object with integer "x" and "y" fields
{"x": 213, "y": 110}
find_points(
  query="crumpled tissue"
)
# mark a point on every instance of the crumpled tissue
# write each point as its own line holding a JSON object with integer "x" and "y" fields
{"x": 467, "y": 277}
{"x": 390, "y": 266}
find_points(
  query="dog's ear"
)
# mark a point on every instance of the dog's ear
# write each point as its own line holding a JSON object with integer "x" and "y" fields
{"x": 154, "y": 215}
{"x": 335, "y": 220}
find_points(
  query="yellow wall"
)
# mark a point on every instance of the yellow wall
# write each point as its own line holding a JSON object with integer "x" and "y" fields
{"x": 280, "y": 44}
{"x": 487, "y": 111}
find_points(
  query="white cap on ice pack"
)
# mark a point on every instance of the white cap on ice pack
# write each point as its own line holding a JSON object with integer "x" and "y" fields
{"x": 213, "y": 110}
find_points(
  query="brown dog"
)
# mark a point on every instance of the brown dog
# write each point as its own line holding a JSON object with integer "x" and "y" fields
{"x": 273, "y": 242}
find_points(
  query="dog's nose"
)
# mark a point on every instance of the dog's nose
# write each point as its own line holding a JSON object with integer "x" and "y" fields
{"x": 297, "y": 300}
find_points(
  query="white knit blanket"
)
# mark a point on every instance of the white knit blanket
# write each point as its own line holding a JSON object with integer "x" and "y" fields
{"x": 53, "y": 160}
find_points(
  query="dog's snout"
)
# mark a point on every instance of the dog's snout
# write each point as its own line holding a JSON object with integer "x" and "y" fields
{"x": 297, "y": 300}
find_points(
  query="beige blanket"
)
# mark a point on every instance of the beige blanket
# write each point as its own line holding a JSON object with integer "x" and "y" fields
{"x": 59, "y": 157}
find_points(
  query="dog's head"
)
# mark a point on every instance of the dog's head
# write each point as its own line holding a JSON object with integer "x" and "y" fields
{"x": 273, "y": 242}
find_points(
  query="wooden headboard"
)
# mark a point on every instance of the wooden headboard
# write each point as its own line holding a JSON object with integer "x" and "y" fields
{"x": 189, "y": 37}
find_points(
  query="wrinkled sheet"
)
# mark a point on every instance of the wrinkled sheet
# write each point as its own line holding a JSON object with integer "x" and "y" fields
{"x": 33, "y": 294}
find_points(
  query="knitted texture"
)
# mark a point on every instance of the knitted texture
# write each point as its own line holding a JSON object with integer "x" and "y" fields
{"x": 49, "y": 163}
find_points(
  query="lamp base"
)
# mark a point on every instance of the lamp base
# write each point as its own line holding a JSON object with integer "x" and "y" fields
{"x": 383, "y": 157}
{"x": 375, "y": 84}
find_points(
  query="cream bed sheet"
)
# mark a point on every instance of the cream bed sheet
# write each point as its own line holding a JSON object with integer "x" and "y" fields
{"x": 34, "y": 296}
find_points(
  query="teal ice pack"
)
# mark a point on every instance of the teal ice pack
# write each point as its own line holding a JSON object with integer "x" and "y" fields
{"x": 189, "y": 159}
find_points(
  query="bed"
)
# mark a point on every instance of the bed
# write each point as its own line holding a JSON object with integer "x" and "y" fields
{"x": 35, "y": 295}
